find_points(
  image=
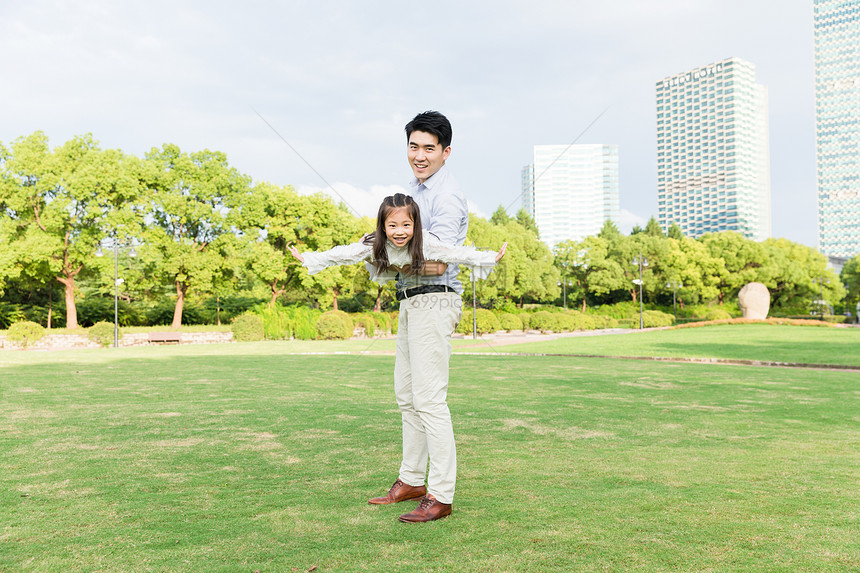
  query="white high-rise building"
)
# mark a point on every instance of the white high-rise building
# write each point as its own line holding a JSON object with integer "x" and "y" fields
{"x": 713, "y": 151}
{"x": 837, "y": 125}
{"x": 571, "y": 190}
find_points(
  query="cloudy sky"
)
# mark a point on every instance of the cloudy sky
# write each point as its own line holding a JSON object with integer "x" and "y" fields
{"x": 339, "y": 79}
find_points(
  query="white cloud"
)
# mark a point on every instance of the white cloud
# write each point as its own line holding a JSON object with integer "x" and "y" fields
{"x": 628, "y": 220}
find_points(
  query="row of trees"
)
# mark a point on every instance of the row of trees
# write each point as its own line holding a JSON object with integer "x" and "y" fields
{"x": 199, "y": 228}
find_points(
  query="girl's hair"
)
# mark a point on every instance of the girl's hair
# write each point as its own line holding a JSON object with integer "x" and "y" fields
{"x": 416, "y": 245}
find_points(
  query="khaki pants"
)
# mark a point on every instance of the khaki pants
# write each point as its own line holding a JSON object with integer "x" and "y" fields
{"x": 425, "y": 326}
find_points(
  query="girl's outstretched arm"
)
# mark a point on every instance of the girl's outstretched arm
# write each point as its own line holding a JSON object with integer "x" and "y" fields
{"x": 501, "y": 252}
{"x": 342, "y": 255}
{"x": 295, "y": 252}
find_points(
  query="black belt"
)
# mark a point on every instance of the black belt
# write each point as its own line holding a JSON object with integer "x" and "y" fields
{"x": 423, "y": 289}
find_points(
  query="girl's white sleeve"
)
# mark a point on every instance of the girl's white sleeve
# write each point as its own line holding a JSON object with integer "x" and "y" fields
{"x": 481, "y": 262}
{"x": 342, "y": 255}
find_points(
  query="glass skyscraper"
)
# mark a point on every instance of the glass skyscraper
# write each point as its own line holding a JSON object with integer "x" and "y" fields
{"x": 713, "y": 156}
{"x": 571, "y": 190}
{"x": 837, "y": 125}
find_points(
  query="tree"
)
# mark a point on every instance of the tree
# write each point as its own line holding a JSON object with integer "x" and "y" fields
{"x": 500, "y": 217}
{"x": 589, "y": 264}
{"x": 525, "y": 271}
{"x": 527, "y": 222}
{"x": 675, "y": 232}
{"x": 58, "y": 207}
{"x": 653, "y": 229}
{"x": 741, "y": 260}
{"x": 190, "y": 197}
{"x": 851, "y": 278}
{"x": 275, "y": 217}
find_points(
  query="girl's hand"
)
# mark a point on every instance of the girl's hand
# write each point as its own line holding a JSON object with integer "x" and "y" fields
{"x": 502, "y": 252}
{"x": 295, "y": 252}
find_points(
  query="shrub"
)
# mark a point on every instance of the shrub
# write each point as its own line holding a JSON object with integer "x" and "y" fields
{"x": 277, "y": 324}
{"x": 545, "y": 321}
{"x": 383, "y": 321}
{"x": 486, "y": 322}
{"x": 601, "y": 321}
{"x": 716, "y": 314}
{"x": 248, "y": 328}
{"x": 335, "y": 325}
{"x": 525, "y": 318}
{"x": 25, "y": 333}
{"x": 656, "y": 318}
{"x": 581, "y": 320}
{"x": 304, "y": 322}
{"x": 102, "y": 333}
{"x": 395, "y": 321}
{"x": 368, "y": 322}
{"x": 510, "y": 322}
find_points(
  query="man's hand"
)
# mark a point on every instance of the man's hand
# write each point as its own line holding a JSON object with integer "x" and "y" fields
{"x": 433, "y": 269}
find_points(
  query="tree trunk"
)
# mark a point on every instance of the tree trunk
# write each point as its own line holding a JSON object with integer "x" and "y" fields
{"x": 583, "y": 304}
{"x": 180, "y": 303}
{"x": 335, "y": 292}
{"x": 276, "y": 292}
{"x": 377, "y": 306}
{"x": 71, "y": 311}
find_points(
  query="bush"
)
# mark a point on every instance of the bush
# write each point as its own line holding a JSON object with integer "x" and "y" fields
{"x": 716, "y": 314}
{"x": 383, "y": 321}
{"x": 395, "y": 321}
{"x": 335, "y": 325}
{"x": 25, "y": 333}
{"x": 581, "y": 320}
{"x": 102, "y": 333}
{"x": 545, "y": 321}
{"x": 656, "y": 318}
{"x": 304, "y": 322}
{"x": 248, "y": 328}
{"x": 601, "y": 321}
{"x": 525, "y": 318}
{"x": 510, "y": 322}
{"x": 486, "y": 322}
{"x": 368, "y": 322}
{"x": 277, "y": 324}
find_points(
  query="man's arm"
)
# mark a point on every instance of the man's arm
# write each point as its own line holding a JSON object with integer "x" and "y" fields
{"x": 433, "y": 269}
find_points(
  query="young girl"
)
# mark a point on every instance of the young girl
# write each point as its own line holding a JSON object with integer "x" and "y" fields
{"x": 399, "y": 246}
{"x": 429, "y": 313}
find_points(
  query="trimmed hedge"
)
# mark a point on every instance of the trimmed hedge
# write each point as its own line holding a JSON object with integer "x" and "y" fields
{"x": 335, "y": 325}
{"x": 510, "y": 322}
{"x": 248, "y": 328}
{"x": 486, "y": 322}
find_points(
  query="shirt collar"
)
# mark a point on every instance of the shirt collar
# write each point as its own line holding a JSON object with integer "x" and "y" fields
{"x": 431, "y": 181}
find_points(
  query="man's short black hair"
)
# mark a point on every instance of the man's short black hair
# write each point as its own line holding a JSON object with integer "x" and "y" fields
{"x": 434, "y": 123}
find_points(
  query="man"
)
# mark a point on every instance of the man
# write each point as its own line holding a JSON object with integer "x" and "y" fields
{"x": 430, "y": 308}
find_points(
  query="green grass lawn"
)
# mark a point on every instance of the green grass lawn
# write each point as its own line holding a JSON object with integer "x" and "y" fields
{"x": 243, "y": 457}
{"x": 777, "y": 343}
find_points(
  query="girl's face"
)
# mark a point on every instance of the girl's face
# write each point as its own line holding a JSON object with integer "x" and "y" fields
{"x": 399, "y": 226}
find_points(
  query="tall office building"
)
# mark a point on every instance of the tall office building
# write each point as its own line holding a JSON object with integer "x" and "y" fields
{"x": 570, "y": 190}
{"x": 837, "y": 125}
{"x": 713, "y": 157}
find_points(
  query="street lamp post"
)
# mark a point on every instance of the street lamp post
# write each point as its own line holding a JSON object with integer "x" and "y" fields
{"x": 821, "y": 282}
{"x": 640, "y": 261}
{"x": 116, "y": 282}
{"x": 675, "y": 285}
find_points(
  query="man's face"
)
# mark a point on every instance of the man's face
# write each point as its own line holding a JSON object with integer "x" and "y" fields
{"x": 425, "y": 154}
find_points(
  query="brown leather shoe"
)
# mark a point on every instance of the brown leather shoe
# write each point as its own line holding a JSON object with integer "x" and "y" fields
{"x": 428, "y": 510}
{"x": 400, "y": 492}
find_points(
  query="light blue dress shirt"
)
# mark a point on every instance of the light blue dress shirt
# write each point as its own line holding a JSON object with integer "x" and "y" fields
{"x": 445, "y": 213}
